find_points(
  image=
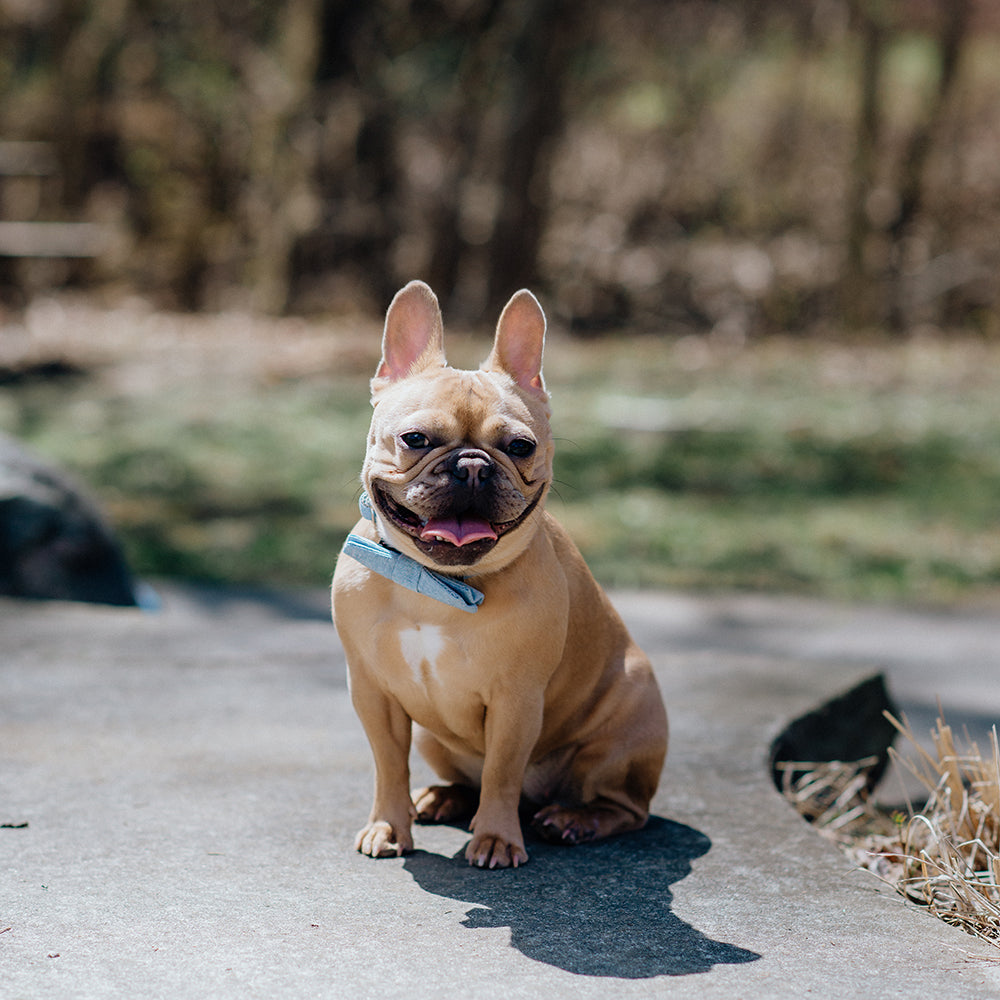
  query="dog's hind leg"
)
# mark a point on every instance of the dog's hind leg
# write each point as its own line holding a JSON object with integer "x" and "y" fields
{"x": 600, "y": 799}
{"x": 452, "y": 803}
{"x": 560, "y": 824}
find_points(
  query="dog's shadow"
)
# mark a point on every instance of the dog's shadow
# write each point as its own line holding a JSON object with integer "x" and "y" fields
{"x": 599, "y": 910}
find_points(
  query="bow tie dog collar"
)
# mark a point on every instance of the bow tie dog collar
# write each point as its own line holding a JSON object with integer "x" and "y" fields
{"x": 407, "y": 572}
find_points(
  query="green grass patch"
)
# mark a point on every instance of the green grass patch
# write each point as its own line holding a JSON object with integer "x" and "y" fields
{"x": 851, "y": 471}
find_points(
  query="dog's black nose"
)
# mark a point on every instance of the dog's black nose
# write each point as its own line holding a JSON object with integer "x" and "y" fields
{"x": 471, "y": 467}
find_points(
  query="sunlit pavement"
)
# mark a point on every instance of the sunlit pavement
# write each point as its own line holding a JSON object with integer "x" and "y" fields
{"x": 181, "y": 790}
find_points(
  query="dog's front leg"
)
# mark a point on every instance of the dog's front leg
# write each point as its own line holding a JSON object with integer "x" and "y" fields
{"x": 512, "y": 726}
{"x": 389, "y": 730}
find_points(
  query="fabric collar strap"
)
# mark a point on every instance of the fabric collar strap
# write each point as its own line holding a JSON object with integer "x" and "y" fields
{"x": 407, "y": 572}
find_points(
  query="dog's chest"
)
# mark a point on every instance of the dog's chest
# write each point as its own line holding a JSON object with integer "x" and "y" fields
{"x": 431, "y": 678}
{"x": 422, "y": 647}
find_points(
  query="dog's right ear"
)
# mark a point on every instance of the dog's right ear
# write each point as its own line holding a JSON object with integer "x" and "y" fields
{"x": 413, "y": 338}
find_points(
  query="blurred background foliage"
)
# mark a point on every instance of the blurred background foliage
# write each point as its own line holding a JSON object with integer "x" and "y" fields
{"x": 738, "y": 165}
{"x": 766, "y": 232}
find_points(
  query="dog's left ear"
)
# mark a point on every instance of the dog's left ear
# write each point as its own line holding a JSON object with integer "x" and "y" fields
{"x": 520, "y": 337}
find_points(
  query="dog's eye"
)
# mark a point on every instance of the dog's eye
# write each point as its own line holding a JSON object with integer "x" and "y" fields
{"x": 520, "y": 448}
{"x": 414, "y": 439}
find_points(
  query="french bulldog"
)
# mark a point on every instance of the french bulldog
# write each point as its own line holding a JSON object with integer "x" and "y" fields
{"x": 463, "y": 607}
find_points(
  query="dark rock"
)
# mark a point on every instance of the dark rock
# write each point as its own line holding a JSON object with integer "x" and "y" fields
{"x": 850, "y": 727}
{"x": 39, "y": 371}
{"x": 54, "y": 544}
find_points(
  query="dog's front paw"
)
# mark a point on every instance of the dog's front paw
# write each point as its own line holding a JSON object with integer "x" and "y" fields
{"x": 489, "y": 851}
{"x": 379, "y": 839}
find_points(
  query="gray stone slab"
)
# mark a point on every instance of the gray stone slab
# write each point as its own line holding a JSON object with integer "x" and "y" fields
{"x": 192, "y": 781}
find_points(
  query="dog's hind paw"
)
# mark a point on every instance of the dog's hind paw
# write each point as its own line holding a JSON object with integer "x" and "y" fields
{"x": 445, "y": 803}
{"x": 580, "y": 824}
{"x": 561, "y": 825}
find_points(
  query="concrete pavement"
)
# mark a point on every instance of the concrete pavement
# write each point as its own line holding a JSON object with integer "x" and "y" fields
{"x": 191, "y": 781}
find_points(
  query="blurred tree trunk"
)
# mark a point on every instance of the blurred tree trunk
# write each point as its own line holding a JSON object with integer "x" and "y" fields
{"x": 84, "y": 37}
{"x": 471, "y": 99}
{"x": 859, "y": 297}
{"x": 540, "y": 57}
{"x": 875, "y": 282}
{"x": 951, "y": 41}
{"x": 505, "y": 110}
{"x": 356, "y": 174}
{"x": 278, "y": 196}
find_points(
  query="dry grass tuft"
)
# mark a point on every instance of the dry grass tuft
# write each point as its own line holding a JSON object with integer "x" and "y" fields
{"x": 832, "y": 795}
{"x": 945, "y": 856}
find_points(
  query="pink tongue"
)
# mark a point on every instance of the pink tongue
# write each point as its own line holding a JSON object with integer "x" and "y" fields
{"x": 458, "y": 531}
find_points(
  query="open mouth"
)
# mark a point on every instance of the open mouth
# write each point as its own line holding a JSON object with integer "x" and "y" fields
{"x": 454, "y": 540}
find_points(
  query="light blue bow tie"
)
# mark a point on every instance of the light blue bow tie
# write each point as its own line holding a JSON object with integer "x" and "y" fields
{"x": 407, "y": 572}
